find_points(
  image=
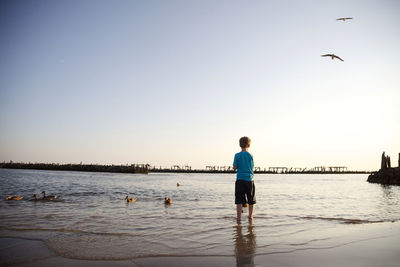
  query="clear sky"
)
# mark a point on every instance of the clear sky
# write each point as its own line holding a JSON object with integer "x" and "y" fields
{"x": 179, "y": 82}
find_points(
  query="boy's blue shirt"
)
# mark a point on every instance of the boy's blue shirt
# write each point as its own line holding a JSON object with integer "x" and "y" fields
{"x": 244, "y": 163}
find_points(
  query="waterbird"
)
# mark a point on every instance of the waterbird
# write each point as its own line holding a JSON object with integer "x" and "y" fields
{"x": 178, "y": 184}
{"x": 35, "y": 198}
{"x": 130, "y": 199}
{"x": 167, "y": 201}
{"x": 332, "y": 56}
{"x": 14, "y": 198}
{"x": 45, "y": 197}
{"x": 344, "y": 19}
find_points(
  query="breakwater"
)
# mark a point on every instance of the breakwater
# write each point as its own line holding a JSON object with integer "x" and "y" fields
{"x": 133, "y": 168}
{"x": 387, "y": 174}
{"x": 146, "y": 168}
{"x": 271, "y": 170}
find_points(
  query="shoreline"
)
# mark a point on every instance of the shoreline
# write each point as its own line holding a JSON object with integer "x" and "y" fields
{"x": 366, "y": 245}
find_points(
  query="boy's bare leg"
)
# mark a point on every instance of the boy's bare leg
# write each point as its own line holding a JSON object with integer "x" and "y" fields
{"x": 239, "y": 211}
{"x": 251, "y": 209}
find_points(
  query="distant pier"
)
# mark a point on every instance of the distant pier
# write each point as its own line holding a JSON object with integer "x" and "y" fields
{"x": 260, "y": 170}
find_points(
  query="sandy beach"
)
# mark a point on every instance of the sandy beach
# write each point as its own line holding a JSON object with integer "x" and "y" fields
{"x": 369, "y": 245}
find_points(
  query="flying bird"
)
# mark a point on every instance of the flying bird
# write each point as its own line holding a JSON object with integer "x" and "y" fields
{"x": 344, "y": 19}
{"x": 332, "y": 56}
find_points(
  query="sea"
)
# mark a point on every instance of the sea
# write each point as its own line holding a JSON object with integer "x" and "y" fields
{"x": 90, "y": 218}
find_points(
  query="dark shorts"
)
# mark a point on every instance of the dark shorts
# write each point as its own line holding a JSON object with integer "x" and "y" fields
{"x": 245, "y": 192}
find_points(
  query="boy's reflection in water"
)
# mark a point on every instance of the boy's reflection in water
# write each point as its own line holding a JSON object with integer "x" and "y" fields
{"x": 245, "y": 244}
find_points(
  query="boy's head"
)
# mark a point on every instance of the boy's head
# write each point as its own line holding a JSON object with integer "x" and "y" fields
{"x": 244, "y": 142}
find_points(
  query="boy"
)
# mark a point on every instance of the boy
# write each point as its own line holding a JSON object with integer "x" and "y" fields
{"x": 244, "y": 186}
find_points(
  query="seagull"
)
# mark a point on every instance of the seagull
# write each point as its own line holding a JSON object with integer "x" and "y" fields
{"x": 332, "y": 56}
{"x": 344, "y": 19}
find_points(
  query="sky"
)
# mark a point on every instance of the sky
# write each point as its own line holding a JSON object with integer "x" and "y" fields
{"x": 172, "y": 82}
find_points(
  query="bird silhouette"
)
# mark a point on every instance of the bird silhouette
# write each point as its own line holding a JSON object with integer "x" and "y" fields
{"x": 344, "y": 19}
{"x": 332, "y": 56}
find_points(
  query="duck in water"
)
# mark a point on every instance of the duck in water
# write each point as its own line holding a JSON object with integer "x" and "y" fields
{"x": 14, "y": 198}
{"x": 167, "y": 201}
{"x": 130, "y": 199}
{"x": 46, "y": 197}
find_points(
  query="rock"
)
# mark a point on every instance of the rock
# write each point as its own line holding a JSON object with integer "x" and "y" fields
{"x": 390, "y": 176}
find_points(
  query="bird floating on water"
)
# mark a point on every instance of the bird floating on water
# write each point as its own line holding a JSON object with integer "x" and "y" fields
{"x": 344, "y": 19}
{"x": 14, "y": 198}
{"x": 46, "y": 197}
{"x": 130, "y": 199}
{"x": 178, "y": 184}
{"x": 167, "y": 201}
{"x": 332, "y": 56}
{"x": 35, "y": 198}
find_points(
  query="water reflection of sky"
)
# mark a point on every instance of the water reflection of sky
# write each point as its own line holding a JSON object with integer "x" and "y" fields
{"x": 292, "y": 212}
{"x": 389, "y": 202}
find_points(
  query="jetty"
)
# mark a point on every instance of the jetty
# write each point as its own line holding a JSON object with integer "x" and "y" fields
{"x": 387, "y": 175}
{"x": 258, "y": 170}
{"x": 147, "y": 168}
{"x": 132, "y": 168}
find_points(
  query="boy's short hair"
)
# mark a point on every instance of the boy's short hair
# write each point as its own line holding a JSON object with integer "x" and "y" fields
{"x": 244, "y": 142}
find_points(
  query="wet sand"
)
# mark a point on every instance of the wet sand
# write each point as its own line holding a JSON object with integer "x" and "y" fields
{"x": 374, "y": 245}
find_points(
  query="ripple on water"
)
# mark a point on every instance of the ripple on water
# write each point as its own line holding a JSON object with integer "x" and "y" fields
{"x": 91, "y": 220}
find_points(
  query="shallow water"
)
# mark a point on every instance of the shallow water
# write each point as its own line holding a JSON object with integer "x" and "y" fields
{"x": 91, "y": 219}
